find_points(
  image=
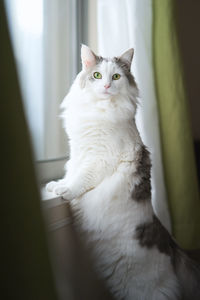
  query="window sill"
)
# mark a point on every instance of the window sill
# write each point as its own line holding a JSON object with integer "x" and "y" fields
{"x": 50, "y": 199}
{"x": 56, "y": 210}
{"x": 60, "y": 239}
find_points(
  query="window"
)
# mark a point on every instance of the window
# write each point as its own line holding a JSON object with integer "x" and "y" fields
{"x": 46, "y": 36}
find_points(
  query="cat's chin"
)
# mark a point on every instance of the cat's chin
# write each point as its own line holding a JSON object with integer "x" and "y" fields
{"x": 105, "y": 96}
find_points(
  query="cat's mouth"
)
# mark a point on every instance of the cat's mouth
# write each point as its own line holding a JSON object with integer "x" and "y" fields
{"x": 106, "y": 93}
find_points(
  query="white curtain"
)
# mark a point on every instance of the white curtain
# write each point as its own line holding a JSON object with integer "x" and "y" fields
{"x": 124, "y": 24}
{"x": 40, "y": 31}
{"x": 46, "y": 36}
{"x": 27, "y": 38}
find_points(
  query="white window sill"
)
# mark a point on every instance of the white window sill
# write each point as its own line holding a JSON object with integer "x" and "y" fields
{"x": 56, "y": 210}
{"x": 50, "y": 199}
{"x": 58, "y": 225}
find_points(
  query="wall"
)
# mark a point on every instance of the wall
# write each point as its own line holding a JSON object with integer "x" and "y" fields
{"x": 188, "y": 21}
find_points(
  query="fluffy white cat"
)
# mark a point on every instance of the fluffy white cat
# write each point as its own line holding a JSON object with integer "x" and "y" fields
{"x": 107, "y": 182}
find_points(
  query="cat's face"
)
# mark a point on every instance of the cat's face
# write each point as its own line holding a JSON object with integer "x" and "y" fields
{"x": 107, "y": 77}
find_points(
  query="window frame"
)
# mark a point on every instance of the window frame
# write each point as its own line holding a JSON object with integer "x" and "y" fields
{"x": 77, "y": 33}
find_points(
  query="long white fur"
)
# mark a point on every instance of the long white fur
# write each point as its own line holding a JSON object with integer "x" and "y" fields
{"x": 100, "y": 178}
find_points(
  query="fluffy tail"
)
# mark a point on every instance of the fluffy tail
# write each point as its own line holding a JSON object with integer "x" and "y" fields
{"x": 188, "y": 273}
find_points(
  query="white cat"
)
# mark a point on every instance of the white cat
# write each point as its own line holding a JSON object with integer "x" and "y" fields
{"x": 108, "y": 184}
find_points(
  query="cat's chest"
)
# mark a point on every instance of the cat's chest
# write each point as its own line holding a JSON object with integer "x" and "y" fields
{"x": 89, "y": 128}
{"x": 101, "y": 115}
{"x": 104, "y": 141}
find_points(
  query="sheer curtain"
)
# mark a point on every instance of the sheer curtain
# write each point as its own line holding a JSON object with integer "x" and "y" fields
{"x": 46, "y": 36}
{"x": 27, "y": 38}
{"x": 41, "y": 34}
{"x": 122, "y": 25}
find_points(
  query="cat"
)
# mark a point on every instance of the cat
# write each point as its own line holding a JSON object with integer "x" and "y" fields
{"x": 108, "y": 185}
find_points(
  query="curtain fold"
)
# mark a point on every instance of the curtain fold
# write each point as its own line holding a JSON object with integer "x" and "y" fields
{"x": 176, "y": 138}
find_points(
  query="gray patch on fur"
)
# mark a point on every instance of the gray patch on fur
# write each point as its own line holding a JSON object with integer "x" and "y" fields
{"x": 106, "y": 59}
{"x": 125, "y": 66}
{"x": 142, "y": 191}
{"x": 99, "y": 59}
{"x": 153, "y": 234}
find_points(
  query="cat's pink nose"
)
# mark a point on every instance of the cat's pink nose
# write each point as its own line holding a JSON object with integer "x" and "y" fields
{"x": 107, "y": 86}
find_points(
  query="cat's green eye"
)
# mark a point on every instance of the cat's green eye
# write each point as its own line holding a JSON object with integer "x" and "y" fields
{"x": 97, "y": 75}
{"x": 116, "y": 76}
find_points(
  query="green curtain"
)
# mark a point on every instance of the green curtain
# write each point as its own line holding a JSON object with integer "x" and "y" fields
{"x": 25, "y": 266}
{"x": 176, "y": 137}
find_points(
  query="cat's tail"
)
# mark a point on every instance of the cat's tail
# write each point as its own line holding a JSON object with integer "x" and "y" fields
{"x": 188, "y": 273}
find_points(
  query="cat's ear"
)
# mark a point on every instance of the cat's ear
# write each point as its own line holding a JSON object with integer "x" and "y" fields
{"x": 88, "y": 57}
{"x": 127, "y": 56}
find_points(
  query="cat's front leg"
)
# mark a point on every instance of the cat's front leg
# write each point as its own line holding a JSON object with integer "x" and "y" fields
{"x": 73, "y": 189}
{"x": 85, "y": 179}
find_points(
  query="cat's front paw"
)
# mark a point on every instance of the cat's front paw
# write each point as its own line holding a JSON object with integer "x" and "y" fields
{"x": 64, "y": 192}
{"x": 60, "y": 188}
{"x": 51, "y": 186}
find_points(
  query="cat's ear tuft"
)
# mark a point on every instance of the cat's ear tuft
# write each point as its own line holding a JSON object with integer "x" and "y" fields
{"x": 88, "y": 57}
{"x": 127, "y": 56}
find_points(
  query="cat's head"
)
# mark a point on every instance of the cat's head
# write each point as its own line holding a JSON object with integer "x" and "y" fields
{"x": 106, "y": 77}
